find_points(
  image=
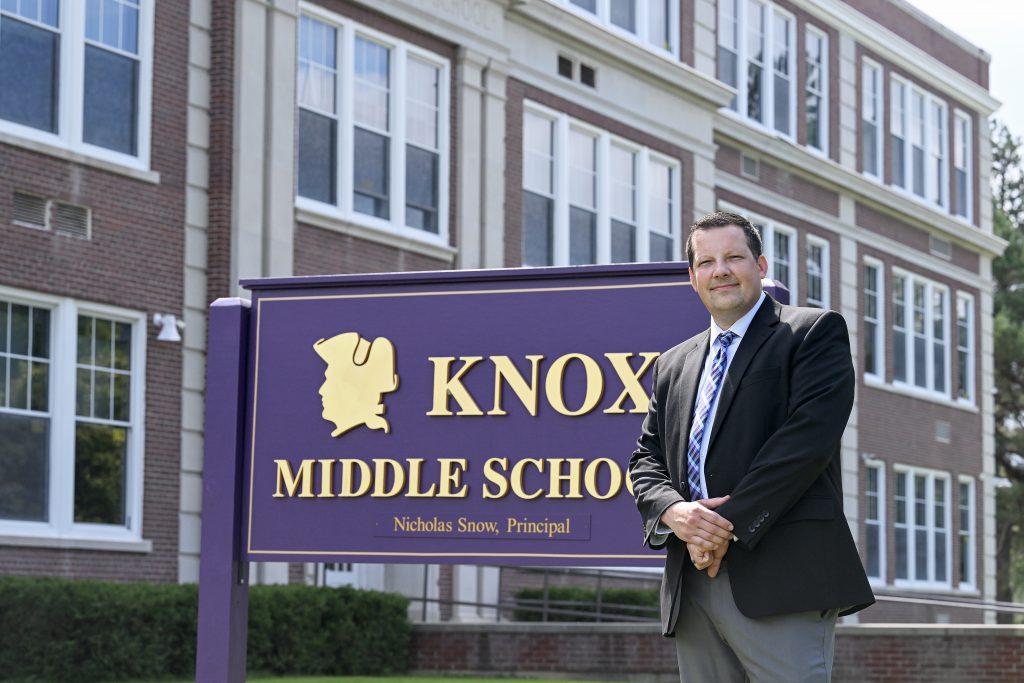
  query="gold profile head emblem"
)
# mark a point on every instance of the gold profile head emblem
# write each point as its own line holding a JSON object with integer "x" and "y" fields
{"x": 359, "y": 372}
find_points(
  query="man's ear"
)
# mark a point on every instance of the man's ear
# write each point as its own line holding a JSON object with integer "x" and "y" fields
{"x": 762, "y": 265}
{"x": 692, "y": 283}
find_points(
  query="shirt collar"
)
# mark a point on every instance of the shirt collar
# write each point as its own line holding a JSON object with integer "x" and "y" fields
{"x": 739, "y": 328}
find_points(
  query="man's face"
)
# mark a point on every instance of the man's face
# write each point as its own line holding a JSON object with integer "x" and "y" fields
{"x": 725, "y": 273}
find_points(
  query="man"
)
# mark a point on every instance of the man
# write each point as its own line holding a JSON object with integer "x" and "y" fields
{"x": 737, "y": 473}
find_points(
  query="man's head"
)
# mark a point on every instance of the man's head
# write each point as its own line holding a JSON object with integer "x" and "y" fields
{"x": 726, "y": 265}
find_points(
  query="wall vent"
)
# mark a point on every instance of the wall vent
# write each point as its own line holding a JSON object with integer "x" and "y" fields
{"x": 31, "y": 210}
{"x": 940, "y": 247}
{"x": 943, "y": 431}
{"x": 750, "y": 167}
{"x": 71, "y": 219}
{"x": 588, "y": 75}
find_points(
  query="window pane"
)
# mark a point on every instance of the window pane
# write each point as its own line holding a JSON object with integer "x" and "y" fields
{"x": 623, "y": 242}
{"x": 874, "y": 560}
{"x": 85, "y": 324}
{"x": 17, "y": 392}
{"x": 538, "y": 153}
{"x": 371, "y": 169}
{"x": 100, "y": 473}
{"x": 101, "y": 387}
{"x": 24, "y": 467}
{"x": 814, "y": 137}
{"x": 122, "y": 397}
{"x": 582, "y": 169}
{"x": 40, "y": 332}
{"x": 109, "y": 112}
{"x": 4, "y": 306}
{"x": 19, "y": 329}
{"x": 40, "y": 400}
{"x": 661, "y": 248}
{"x": 657, "y": 24}
{"x": 422, "y": 103}
{"x": 582, "y": 236}
{"x": 122, "y": 346}
{"x": 623, "y": 185}
{"x": 660, "y": 193}
{"x": 83, "y": 392}
{"x": 317, "y": 163}
{"x": 871, "y": 149}
{"x": 589, "y": 5}
{"x": 29, "y": 61}
{"x": 421, "y": 189}
{"x": 538, "y": 227}
{"x": 372, "y": 83}
{"x": 623, "y": 14}
{"x": 317, "y": 76}
{"x": 104, "y": 342}
{"x": 870, "y": 352}
{"x": 900, "y": 538}
{"x": 783, "y": 79}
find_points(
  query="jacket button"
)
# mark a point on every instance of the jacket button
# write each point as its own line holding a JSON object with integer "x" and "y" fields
{"x": 752, "y": 528}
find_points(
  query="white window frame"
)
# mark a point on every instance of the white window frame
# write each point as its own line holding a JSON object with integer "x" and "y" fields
{"x": 932, "y": 181}
{"x": 563, "y": 124}
{"x": 61, "y": 526}
{"x": 876, "y": 526}
{"x": 824, "y": 109}
{"x": 882, "y": 299}
{"x": 768, "y": 73}
{"x": 969, "y": 350}
{"x": 347, "y": 31}
{"x": 826, "y": 267}
{"x": 909, "y": 384}
{"x": 882, "y": 131}
{"x": 71, "y": 91}
{"x": 931, "y": 529}
{"x": 962, "y": 117}
{"x": 603, "y": 19}
{"x": 969, "y": 533}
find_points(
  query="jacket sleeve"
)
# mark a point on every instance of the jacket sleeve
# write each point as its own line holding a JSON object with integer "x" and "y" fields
{"x": 798, "y": 452}
{"x": 649, "y": 474}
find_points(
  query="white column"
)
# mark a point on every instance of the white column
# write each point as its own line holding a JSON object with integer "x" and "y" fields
{"x": 848, "y": 68}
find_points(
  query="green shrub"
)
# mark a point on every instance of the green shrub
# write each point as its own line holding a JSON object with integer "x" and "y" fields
{"x": 65, "y": 630}
{"x": 615, "y": 602}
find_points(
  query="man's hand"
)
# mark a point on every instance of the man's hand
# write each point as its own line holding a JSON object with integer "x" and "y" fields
{"x": 717, "y": 555}
{"x": 698, "y": 523}
{"x": 701, "y": 559}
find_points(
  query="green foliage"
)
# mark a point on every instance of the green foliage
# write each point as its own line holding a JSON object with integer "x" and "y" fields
{"x": 65, "y": 630}
{"x": 615, "y": 602}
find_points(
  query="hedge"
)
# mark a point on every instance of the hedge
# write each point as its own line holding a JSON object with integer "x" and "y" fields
{"x": 68, "y": 630}
{"x": 628, "y": 602}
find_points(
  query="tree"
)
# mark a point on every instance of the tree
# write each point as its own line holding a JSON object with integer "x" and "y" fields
{"x": 1008, "y": 314}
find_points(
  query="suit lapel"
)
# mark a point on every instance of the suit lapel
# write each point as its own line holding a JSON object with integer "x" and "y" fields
{"x": 760, "y": 329}
{"x": 689, "y": 380}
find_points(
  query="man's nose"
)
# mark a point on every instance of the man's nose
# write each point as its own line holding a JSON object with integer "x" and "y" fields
{"x": 721, "y": 268}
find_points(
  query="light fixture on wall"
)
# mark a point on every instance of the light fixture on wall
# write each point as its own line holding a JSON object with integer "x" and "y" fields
{"x": 169, "y": 327}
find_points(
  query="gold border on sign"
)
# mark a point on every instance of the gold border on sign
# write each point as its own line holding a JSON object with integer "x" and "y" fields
{"x": 380, "y": 295}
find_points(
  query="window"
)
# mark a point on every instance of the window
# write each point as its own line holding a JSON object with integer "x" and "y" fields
{"x": 965, "y": 533}
{"x": 652, "y": 22}
{"x": 918, "y": 148}
{"x": 780, "y": 250}
{"x": 962, "y": 160}
{"x": 965, "y": 347}
{"x": 921, "y": 530}
{"x": 71, "y": 411}
{"x": 78, "y": 76}
{"x": 590, "y": 197}
{"x": 874, "y": 519}
{"x": 756, "y": 53}
{"x": 817, "y": 272}
{"x": 816, "y": 89}
{"x": 874, "y": 319}
{"x": 871, "y": 115}
{"x": 920, "y": 339}
{"x": 373, "y": 129}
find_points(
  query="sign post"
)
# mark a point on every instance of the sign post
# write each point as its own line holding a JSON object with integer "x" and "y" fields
{"x": 466, "y": 417}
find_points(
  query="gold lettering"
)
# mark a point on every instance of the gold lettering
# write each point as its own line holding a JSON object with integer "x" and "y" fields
{"x": 590, "y": 478}
{"x": 451, "y": 478}
{"x": 381, "y": 478}
{"x": 527, "y": 393}
{"x": 348, "y": 477}
{"x": 517, "y": 478}
{"x": 416, "y": 478}
{"x": 497, "y": 478}
{"x": 326, "y": 479}
{"x": 555, "y": 381}
{"x": 573, "y": 478}
{"x": 445, "y": 386}
{"x": 291, "y": 482}
{"x": 631, "y": 386}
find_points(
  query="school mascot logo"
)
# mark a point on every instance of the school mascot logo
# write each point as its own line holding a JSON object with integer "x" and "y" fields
{"x": 359, "y": 372}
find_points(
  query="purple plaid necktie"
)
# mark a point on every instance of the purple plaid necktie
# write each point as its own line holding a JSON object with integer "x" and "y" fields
{"x": 700, "y": 416}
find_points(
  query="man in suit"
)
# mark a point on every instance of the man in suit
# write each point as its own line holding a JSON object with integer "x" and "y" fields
{"x": 737, "y": 473}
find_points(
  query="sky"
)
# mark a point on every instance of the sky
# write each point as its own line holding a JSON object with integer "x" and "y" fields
{"x": 996, "y": 26}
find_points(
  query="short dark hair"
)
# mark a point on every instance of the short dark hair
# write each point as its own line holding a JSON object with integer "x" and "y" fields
{"x": 721, "y": 219}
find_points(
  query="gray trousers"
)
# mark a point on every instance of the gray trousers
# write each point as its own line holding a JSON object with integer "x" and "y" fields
{"x": 716, "y": 643}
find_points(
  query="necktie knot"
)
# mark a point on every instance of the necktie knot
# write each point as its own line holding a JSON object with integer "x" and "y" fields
{"x": 726, "y": 339}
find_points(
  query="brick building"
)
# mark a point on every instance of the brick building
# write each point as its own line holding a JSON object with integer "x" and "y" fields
{"x": 488, "y": 133}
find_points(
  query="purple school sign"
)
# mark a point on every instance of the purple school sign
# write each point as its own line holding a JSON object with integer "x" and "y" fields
{"x": 454, "y": 417}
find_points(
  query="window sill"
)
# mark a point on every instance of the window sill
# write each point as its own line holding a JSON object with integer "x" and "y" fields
{"x": 312, "y": 214}
{"x": 125, "y": 546}
{"x": 915, "y": 392}
{"x": 60, "y": 152}
{"x": 765, "y": 130}
{"x": 907, "y": 586}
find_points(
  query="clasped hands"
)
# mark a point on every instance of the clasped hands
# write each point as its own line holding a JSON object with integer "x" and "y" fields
{"x": 705, "y": 532}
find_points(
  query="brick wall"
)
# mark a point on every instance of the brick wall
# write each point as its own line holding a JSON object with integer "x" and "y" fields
{"x": 897, "y": 654}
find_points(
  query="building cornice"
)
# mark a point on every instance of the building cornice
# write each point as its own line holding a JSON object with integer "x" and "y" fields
{"x": 906, "y": 55}
{"x": 826, "y": 172}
